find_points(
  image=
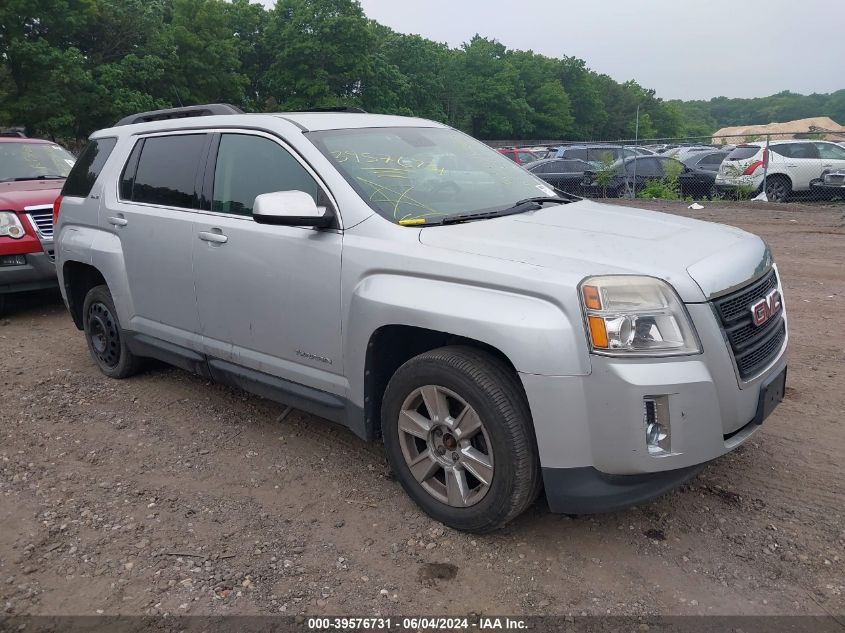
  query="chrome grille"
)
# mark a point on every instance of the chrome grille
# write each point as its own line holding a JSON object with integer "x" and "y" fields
{"x": 753, "y": 347}
{"x": 42, "y": 221}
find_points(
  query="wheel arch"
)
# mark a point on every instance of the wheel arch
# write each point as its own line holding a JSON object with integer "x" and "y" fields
{"x": 390, "y": 346}
{"x": 78, "y": 279}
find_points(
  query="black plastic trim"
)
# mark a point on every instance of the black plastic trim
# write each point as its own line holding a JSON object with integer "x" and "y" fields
{"x": 170, "y": 353}
{"x": 589, "y": 491}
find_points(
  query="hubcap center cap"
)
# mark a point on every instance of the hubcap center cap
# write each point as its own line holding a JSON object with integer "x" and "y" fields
{"x": 450, "y": 442}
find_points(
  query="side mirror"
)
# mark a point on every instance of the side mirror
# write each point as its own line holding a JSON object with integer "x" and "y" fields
{"x": 290, "y": 208}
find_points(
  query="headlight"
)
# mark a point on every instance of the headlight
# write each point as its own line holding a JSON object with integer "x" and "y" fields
{"x": 10, "y": 225}
{"x": 636, "y": 316}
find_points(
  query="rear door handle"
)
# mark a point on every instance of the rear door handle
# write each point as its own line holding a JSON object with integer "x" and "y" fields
{"x": 118, "y": 221}
{"x": 214, "y": 238}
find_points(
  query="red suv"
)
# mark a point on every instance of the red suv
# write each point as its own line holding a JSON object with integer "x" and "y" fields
{"x": 519, "y": 156}
{"x": 32, "y": 172}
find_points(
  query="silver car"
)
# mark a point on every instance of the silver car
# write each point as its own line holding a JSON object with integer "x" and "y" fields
{"x": 396, "y": 276}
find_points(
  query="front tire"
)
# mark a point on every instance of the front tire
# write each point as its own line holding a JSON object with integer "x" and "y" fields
{"x": 459, "y": 437}
{"x": 104, "y": 335}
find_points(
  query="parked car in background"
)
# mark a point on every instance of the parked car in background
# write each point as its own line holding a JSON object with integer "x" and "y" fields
{"x": 643, "y": 151}
{"x": 564, "y": 174}
{"x": 790, "y": 166}
{"x": 32, "y": 172}
{"x": 829, "y": 186}
{"x": 519, "y": 156}
{"x": 595, "y": 154}
{"x": 699, "y": 176}
{"x": 629, "y": 175}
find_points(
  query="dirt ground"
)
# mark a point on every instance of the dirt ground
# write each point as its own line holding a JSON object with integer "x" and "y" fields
{"x": 166, "y": 494}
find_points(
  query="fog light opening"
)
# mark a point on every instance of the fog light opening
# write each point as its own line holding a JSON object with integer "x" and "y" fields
{"x": 657, "y": 427}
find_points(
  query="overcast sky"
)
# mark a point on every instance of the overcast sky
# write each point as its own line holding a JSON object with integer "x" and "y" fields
{"x": 684, "y": 49}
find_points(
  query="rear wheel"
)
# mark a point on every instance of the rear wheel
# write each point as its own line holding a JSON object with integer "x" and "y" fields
{"x": 103, "y": 335}
{"x": 459, "y": 437}
{"x": 778, "y": 188}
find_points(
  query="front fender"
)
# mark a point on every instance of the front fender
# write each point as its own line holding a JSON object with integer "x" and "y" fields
{"x": 536, "y": 335}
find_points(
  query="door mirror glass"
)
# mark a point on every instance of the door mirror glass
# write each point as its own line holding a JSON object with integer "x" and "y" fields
{"x": 290, "y": 208}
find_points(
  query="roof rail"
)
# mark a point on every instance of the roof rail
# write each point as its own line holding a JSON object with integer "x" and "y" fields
{"x": 209, "y": 109}
{"x": 350, "y": 109}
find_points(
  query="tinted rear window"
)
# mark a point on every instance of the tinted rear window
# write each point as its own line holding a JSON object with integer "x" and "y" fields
{"x": 743, "y": 153}
{"x": 167, "y": 170}
{"x": 87, "y": 168}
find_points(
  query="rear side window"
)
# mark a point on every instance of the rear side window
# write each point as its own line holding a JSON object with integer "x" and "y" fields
{"x": 88, "y": 166}
{"x": 711, "y": 162}
{"x": 603, "y": 154}
{"x": 796, "y": 150}
{"x": 575, "y": 153}
{"x": 167, "y": 170}
{"x": 743, "y": 152}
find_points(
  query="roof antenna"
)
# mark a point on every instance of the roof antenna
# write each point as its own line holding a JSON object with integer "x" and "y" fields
{"x": 177, "y": 96}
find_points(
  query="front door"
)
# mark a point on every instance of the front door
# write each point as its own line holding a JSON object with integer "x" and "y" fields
{"x": 268, "y": 296}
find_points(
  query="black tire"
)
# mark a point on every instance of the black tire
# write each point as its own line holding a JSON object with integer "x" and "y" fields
{"x": 493, "y": 390}
{"x": 778, "y": 188}
{"x": 103, "y": 335}
{"x": 2, "y": 304}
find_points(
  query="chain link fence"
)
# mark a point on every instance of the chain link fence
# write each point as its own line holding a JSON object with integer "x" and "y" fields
{"x": 783, "y": 167}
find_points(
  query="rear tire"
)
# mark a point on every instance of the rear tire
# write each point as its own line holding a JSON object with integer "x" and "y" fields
{"x": 103, "y": 334}
{"x": 459, "y": 437}
{"x": 778, "y": 188}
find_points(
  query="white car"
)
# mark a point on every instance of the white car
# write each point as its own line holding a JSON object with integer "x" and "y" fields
{"x": 789, "y": 167}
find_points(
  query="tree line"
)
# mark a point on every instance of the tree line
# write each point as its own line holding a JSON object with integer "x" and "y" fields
{"x": 73, "y": 66}
{"x": 703, "y": 117}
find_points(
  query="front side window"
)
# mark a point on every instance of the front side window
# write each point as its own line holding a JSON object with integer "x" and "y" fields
{"x": 830, "y": 151}
{"x": 167, "y": 170}
{"x": 248, "y": 166}
{"x": 399, "y": 173}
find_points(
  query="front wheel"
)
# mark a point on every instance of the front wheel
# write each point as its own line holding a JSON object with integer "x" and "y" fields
{"x": 458, "y": 434}
{"x": 103, "y": 335}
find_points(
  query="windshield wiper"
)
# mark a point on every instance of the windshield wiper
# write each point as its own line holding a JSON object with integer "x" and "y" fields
{"x": 529, "y": 204}
{"x": 41, "y": 177}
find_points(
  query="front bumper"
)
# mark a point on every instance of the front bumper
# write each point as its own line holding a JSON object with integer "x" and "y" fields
{"x": 38, "y": 273}
{"x": 591, "y": 429}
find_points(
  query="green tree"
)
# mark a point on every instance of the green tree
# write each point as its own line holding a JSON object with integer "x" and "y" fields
{"x": 321, "y": 51}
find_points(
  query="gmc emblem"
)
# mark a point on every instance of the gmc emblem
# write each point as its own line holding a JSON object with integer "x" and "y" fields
{"x": 766, "y": 308}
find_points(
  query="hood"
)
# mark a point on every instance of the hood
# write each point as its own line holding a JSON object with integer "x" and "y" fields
{"x": 586, "y": 238}
{"x": 15, "y": 196}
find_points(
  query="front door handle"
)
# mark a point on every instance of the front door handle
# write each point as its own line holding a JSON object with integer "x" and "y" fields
{"x": 118, "y": 221}
{"x": 214, "y": 238}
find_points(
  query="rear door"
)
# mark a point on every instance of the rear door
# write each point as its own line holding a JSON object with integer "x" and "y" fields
{"x": 800, "y": 161}
{"x": 153, "y": 217}
{"x": 268, "y": 296}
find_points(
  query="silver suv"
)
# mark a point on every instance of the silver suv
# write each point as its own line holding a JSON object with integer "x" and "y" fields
{"x": 398, "y": 277}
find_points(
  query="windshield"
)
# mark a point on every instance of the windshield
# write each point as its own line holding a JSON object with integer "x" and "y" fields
{"x": 31, "y": 161}
{"x": 418, "y": 174}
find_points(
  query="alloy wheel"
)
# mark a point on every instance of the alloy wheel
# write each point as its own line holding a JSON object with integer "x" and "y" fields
{"x": 446, "y": 446}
